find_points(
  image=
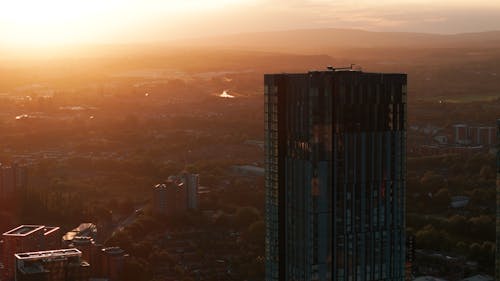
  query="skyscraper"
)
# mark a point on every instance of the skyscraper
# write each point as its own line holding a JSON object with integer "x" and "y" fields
{"x": 497, "y": 254}
{"x": 335, "y": 147}
{"x": 169, "y": 198}
{"x": 190, "y": 183}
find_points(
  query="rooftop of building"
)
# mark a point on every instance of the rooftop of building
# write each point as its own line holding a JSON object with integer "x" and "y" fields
{"x": 37, "y": 267}
{"x": 353, "y": 68}
{"x": 50, "y": 230}
{"x": 168, "y": 184}
{"x": 82, "y": 240}
{"x": 113, "y": 251}
{"x": 24, "y": 230}
{"x": 86, "y": 226}
{"x": 61, "y": 253}
{"x": 84, "y": 229}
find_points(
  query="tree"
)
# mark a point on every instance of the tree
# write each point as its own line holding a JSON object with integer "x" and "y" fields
{"x": 482, "y": 227}
{"x": 224, "y": 220}
{"x": 143, "y": 248}
{"x": 442, "y": 197}
{"x": 457, "y": 224}
{"x": 430, "y": 181}
{"x": 462, "y": 247}
{"x": 475, "y": 251}
{"x": 430, "y": 238}
{"x": 135, "y": 270}
{"x": 256, "y": 232}
{"x": 246, "y": 216}
{"x": 486, "y": 173}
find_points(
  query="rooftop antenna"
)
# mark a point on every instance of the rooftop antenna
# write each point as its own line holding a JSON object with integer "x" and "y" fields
{"x": 351, "y": 67}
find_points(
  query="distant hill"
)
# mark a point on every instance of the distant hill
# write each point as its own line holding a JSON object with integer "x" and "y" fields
{"x": 322, "y": 39}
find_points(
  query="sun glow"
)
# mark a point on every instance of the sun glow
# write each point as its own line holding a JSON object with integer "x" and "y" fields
{"x": 38, "y": 23}
{"x": 57, "y": 22}
{"x": 51, "y": 22}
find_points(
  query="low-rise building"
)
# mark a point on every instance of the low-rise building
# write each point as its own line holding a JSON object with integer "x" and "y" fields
{"x": 83, "y": 230}
{"x": 56, "y": 265}
{"x": 27, "y": 238}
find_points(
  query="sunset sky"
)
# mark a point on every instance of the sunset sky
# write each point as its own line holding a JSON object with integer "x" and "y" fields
{"x": 47, "y": 22}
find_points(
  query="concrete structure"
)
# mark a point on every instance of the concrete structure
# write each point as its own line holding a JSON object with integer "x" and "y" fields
{"x": 96, "y": 259}
{"x": 335, "y": 147}
{"x": 86, "y": 229}
{"x": 56, "y": 265}
{"x": 169, "y": 198}
{"x": 105, "y": 262}
{"x": 461, "y": 134}
{"x": 85, "y": 245}
{"x": 27, "y": 238}
{"x": 177, "y": 194}
{"x": 483, "y": 135}
{"x": 191, "y": 183}
{"x": 113, "y": 261}
{"x": 474, "y": 135}
{"x": 13, "y": 184}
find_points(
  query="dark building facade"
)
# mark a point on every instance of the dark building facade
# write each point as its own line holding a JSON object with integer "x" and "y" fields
{"x": 335, "y": 147}
{"x": 13, "y": 186}
{"x": 169, "y": 198}
{"x": 497, "y": 258}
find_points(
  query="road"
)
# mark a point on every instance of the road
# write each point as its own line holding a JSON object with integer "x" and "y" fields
{"x": 127, "y": 221}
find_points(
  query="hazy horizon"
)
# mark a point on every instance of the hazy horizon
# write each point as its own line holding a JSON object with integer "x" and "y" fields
{"x": 58, "y": 23}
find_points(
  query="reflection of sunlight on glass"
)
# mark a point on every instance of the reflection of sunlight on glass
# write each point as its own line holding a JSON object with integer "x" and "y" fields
{"x": 226, "y": 95}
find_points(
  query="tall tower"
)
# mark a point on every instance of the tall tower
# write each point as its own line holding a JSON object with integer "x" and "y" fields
{"x": 191, "y": 184}
{"x": 497, "y": 254}
{"x": 335, "y": 147}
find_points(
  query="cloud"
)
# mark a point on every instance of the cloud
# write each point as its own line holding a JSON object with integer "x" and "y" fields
{"x": 446, "y": 16}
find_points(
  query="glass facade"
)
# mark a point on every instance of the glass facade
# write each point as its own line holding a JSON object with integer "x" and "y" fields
{"x": 497, "y": 254}
{"x": 335, "y": 176}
